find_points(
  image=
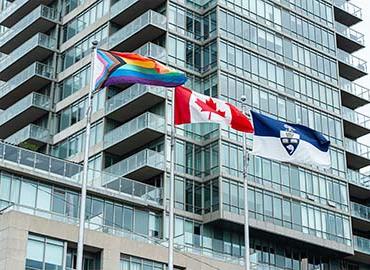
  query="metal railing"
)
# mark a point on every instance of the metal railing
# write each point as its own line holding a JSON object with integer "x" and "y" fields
{"x": 32, "y": 100}
{"x": 145, "y": 157}
{"x": 354, "y": 88}
{"x": 350, "y": 33}
{"x": 144, "y": 121}
{"x": 41, "y": 11}
{"x": 352, "y": 60}
{"x": 31, "y": 131}
{"x": 149, "y": 17}
{"x": 361, "y": 244}
{"x": 356, "y": 117}
{"x": 39, "y": 39}
{"x": 358, "y": 178}
{"x": 360, "y": 211}
{"x": 66, "y": 171}
{"x": 348, "y": 7}
{"x": 357, "y": 148}
{"x": 130, "y": 94}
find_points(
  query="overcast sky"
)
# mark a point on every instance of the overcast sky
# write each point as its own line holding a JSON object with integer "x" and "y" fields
{"x": 364, "y": 27}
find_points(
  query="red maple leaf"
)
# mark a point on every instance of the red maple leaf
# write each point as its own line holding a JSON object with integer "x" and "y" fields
{"x": 209, "y": 106}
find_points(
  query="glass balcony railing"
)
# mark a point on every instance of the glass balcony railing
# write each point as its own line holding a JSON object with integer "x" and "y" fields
{"x": 32, "y": 100}
{"x": 349, "y": 8}
{"x": 354, "y": 88}
{"x": 360, "y": 211}
{"x": 356, "y": 117}
{"x": 131, "y": 94}
{"x": 358, "y": 178}
{"x": 357, "y": 148}
{"x": 120, "y": 6}
{"x": 145, "y": 157}
{"x": 66, "y": 171}
{"x": 29, "y": 132}
{"x": 350, "y": 33}
{"x": 144, "y": 121}
{"x": 39, "y": 39}
{"x": 11, "y": 9}
{"x": 361, "y": 244}
{"x": 153, "y": 51}
{"x": 149, "y": 17}
{"x": 100, "y": 224}
{"x": 41, "y": 11}
{"x": 95, "y": 224}
{"x": 352, "y": 60}
{"x": 34, "y": 69}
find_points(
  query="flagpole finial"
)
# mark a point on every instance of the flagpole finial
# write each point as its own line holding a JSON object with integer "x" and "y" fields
{"x": 94, "y": 43}
{"x": 243, "y": 98}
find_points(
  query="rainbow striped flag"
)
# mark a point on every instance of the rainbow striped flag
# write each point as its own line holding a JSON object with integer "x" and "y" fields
{"x": 114, "y": 68}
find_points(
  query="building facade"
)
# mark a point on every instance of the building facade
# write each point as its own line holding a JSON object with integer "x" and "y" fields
{"x": 291, "y": 59}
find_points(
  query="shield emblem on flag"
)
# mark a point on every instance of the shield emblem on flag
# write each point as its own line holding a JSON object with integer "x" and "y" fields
{"x": 289, "y": 139}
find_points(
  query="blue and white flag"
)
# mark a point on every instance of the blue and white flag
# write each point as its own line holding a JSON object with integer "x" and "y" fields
{"x": 287, "y": 142}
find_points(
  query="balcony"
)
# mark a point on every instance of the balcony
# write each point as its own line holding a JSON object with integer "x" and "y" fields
{"x": 38, "y": 48}
{"x": 65, "y": 172}
{"x": 133, "y": 101}
{"x": 351, "y": 67}
{"x": 143, "y": 165}
{"x": 134, "y": 134}
{"x": 359, "y": 185}
{"x": 360, "y": 216}
{"x": 39, "y": 20}
{"x": 19, "y": 9}
{"x": 153, "y": 51}
{"x": 31, "y": 79}
{"x": 353, "y": 95}
{"x": 348, "y": 39}
{"x": 362, "y": 249}
{"x": 25, "y": 111}
{"x": 346, "y": 13}
{"x": 32, "y": 135}
{"x": 124, "y": 11}
{"x": 358, "y": 154}
{"x": 355, "y": 123}
{"x": 149, "y": 26}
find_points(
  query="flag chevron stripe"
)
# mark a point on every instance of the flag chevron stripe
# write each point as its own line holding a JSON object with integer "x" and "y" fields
{"x": 109, "y": 62}
{"x": 113, "y": 68}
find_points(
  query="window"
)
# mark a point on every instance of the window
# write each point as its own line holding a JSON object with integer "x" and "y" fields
{"x": 44, "y": 253}
{"x": 136, "y": 263}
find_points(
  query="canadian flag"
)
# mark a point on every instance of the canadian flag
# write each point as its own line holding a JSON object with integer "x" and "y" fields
{"x": 192, "y": 107}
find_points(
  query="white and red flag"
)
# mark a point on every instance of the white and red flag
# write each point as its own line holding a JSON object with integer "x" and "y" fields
{"x": 192, "y": 107}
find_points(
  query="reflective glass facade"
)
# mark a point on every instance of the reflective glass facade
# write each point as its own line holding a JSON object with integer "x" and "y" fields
{"x": 291, "y": 59}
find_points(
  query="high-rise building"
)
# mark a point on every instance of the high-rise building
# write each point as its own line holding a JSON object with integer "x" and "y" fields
{"x": 291, "y": 59}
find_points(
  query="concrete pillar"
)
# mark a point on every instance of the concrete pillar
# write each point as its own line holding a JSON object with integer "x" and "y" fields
{"x": 110, "y": 258}
{"x": 13, "y": 248}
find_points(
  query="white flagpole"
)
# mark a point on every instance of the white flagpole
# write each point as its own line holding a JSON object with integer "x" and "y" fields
{"x": 245, "y": 180}
{"x": 80, "y": 246}
{"x": 172, "y": 187}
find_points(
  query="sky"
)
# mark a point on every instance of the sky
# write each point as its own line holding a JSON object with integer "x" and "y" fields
{"x": 364, "y": 27}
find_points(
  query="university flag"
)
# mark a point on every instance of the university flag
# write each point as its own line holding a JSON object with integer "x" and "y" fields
{"x": 287, "y": 142}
